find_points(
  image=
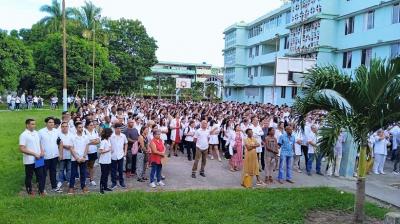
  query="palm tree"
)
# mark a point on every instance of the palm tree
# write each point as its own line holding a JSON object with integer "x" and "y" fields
{"x": 88, "y": 16}
{"x": 211, "y": 90}
{"x": 362, "y": 104}
{"x": 54, "y": 20}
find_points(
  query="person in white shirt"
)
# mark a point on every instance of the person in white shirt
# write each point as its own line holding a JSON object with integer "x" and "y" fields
{"x": 79, "y": 152}
{"x": 338, "y": 149}
{"x": 312, "y": 145}
{"x": 380, "y": 152}
{"x": 9, "y": 101}
{"x": 201, "y": 137}
{"x": 65, "y": 145}
{"x": 29, "y": 145}
{"x": 190, "y": 144}
{"x": 175, "y": 126}
{"x": 48, "y": 142}
{"x": 105, "y": 159}
{"x": 94, "y": 139}
{"x": 257, "y": 134}
{"x": 213, "y": 142}
{"x": 119, "y": 149}
{"x": 297, "y": 149}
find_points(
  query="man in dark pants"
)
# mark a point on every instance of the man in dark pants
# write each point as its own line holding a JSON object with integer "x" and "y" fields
{"x": 132, "y": 136}
{"x": 48, "y": 142}
{"x": 119, "y": 146}
{"x": 29, "y": 145}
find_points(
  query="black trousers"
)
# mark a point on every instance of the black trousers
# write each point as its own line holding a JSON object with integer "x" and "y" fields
{"x": 130, "y": 165}
{"x": 191, "y": 149}
{"x": 51, "y": 167}
{"x": 105, "y": 172}
{"x": 262, "y": 158}
{"x": 304, "y": 149}
{"x": 40, "y": 177}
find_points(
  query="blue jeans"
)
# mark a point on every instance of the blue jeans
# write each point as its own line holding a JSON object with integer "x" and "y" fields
{"x": 155, "y": 170}
{"x": 64, "y": 172}
{"x": 309, "y": 162}
{"x": 117, "y": 165}
{"x": 318, "y": 161}
{"x": 74, "y": 171}
{"x": 289, "y": 161}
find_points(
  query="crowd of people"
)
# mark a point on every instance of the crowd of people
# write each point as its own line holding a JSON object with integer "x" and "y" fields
{"x": 131, "y": 137}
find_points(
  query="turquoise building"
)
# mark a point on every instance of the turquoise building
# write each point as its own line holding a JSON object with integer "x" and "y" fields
{"x": 346, "y": 33}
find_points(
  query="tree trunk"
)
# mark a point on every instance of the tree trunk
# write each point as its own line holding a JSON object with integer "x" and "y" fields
{"x": 360, "y": 191}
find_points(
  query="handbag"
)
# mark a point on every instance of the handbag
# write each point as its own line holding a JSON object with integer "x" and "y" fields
{"x": 135, "y": 148}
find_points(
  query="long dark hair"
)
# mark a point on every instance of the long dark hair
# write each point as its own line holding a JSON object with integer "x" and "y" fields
{"x": 106, "y": 133}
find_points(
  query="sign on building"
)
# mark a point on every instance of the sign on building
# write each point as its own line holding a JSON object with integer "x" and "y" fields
{"x": 182, "y": 83}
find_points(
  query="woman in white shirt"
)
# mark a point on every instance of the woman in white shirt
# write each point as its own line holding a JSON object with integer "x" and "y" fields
{"x": 214, "y": 131}
{"x": 105, "y": 158}
{"x": 94, "y": 140}
{"x": 380, "y": 152}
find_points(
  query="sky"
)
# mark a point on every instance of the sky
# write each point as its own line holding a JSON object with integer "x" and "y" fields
{"x": 185, "y": 30}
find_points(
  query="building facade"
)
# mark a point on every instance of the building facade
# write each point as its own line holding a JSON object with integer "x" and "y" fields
{"x": 345, "y": 33}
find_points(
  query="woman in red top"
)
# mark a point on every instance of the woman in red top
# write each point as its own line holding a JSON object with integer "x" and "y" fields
{"x": 157, "y": 153}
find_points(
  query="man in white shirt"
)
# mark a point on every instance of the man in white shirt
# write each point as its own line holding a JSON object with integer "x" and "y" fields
{"x": 65, "y": 145}
{"x": 380, "y": 152}
{"x": 312, "y": 145}
{"x": 48, "y": 142}
{"x": 119, "y": 149}
{"x": 201, "y": 137}
{"x": 79, "y": 151}
{"x": 9, "y": 101}
{"x": 29, "y": 145}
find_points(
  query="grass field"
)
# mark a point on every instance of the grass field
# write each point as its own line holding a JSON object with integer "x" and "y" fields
{"x": 218, "y": 206}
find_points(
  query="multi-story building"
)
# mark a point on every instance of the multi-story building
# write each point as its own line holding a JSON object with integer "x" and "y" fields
{"x": 197, "y": 72}
{"x": 346, "y": 33}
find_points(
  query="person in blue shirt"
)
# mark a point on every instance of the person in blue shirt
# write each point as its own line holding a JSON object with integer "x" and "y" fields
{"x": 286, "y": 142}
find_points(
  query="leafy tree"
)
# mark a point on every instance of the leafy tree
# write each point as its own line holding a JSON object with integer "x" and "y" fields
{"x": 362, "y": 105}
{"x": 16, "y": 62}
{"x": 211, "y": 91}
{"x": 132, "y": 50}
{"x": 48, "y": 57}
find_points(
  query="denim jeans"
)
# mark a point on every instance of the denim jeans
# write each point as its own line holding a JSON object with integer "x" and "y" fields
{"x": 318, "y": 162}
{"x": 155, "y": 171}
{"x": 64, "y": 172}
{"x": 50, "y": 166}
{"x": 310, "y": 162}
{"x": 74, "y": 171}
{"x": 289, "y": 161}
{"x": 117, "y": 165}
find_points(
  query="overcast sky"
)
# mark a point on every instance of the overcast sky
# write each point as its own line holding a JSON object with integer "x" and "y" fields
{"x": 185, "y": 30}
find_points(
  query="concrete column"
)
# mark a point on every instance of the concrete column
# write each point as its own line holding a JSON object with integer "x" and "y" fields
{"x": 348, "y": 157}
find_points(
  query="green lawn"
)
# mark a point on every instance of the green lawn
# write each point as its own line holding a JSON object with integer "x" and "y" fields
{"x": 219, "y": 206}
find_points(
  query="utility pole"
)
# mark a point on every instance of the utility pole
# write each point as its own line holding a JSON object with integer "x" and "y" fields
{"x": 65, "y": 108}
{"x": 159, "y": 88}
{"x": 94, "y": 55}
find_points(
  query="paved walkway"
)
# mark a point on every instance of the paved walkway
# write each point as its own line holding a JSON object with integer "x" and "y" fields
{"x": 218, "y": 176}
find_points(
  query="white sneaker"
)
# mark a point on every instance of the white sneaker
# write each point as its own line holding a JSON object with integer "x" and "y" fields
{"x": 93, "y": 183}
{"x": 376, "y": 173}
{"x": 396, "y": 173}
{"x": 383, "y": 173}
{"x": 161, "y": 184}
{"x": 152, "y": 184}
{"x": 59, "y": 184}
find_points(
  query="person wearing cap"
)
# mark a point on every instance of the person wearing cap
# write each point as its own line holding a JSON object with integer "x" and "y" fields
{"x": 119, "y": 148}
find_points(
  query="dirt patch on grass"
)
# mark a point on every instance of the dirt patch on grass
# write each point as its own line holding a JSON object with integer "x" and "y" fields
{"x": 335, "y": 217}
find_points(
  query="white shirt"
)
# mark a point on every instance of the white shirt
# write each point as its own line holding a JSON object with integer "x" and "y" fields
{"x": 66, "y": 140}
{"x": 257, "y": 133}
{"x": 105, "y": 158}
{"x": 202, "y": 137}
{"x": 92, "y": 136}
{"x": 380, "y": 146}
{"x": 79, "y": 144}
{"x": 31, "y": 141}
{"x": 297, "y": 147}
{"x": 48, "y": 141}
{"x": 395, "y": 131}
{"x": 313, "y": 138}
{"x": 191, "y": 131}
{"x": 117, "y": 146}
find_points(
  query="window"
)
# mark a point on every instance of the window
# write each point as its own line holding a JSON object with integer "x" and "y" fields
{"x": 250, "y": 52}
{"x": 249, "y": 72}
{"x": 286, "y": 46}
{"x": 349, "y": 26}
{"x": 290, "y": 76}
{"x": 369, "y": 20}
{"x": 256, "y": 71}
{"x": 283, "y": 92}
{"x": 366, "y": 56}
{"x": 288, "y": 17}
{"x": 257, "y": 50}
{"x": 396, "y": 13}
{"x": 395, "y": 50}
{"x": 294, "y": 92}
{"x": 347, "y": 59}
